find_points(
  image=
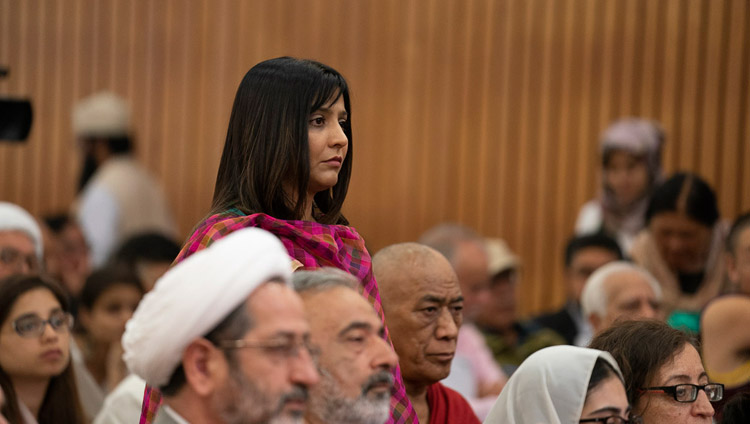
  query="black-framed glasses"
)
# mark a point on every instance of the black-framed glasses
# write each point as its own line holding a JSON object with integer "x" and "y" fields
{"x": 33, "y": 325}
{"x": 287, "y": 349}
{"x": 614, "y": 419}
{"x": 689, "y": 392}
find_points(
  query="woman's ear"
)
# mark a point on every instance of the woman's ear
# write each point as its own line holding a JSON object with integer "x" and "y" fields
{"x": 205, "y": 367}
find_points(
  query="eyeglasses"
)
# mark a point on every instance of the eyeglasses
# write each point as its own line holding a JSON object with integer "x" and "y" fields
{"x": 689, "y": 392}
{"x": 614, "y": 419}
{"x": 286, "y": 349}
{"x": 13, "y": 257}
{"x": 33, "y": 325}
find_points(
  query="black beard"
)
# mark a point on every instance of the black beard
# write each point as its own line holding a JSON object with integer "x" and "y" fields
{"x": 88, "y": 170}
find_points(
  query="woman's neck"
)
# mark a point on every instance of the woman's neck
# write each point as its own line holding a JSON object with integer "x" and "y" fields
{"x": 95, "y": 358}
{"x": 309, "y": 207}
{"x": 31, "y": 392}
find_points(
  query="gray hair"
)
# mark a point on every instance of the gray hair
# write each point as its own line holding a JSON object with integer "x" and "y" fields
{"x": 594, "y": 297}
{"x": 323, "y": 279}
{"x": 446, "y": 237}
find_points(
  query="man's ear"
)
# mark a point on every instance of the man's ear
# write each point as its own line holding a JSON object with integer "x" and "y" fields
{"x": 205, "y": 367}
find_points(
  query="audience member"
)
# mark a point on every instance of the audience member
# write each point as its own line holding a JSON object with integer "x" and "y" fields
{"x": 664, "y": 377}
{"x": 224, "y": 337}
{"x": 631, "y": 167}
{"x": 107, "y": 301}
{"x": 149, "y": 254}
{"x": 683, "y": 246}
{"x": 423, "y": 305}
{"x": 36, "y": 375}
{"x": 620, "y": 291}
{"x": 354, "y": 359}
{"x": 511, "y": 340}
{"x": 583, "y": 256}
{"x": 286, "y": 167}
{"x": 474, "y": 372}
{"x": 66, "y": 254}
{"x": 20, "y": 241}
{"x": 726, "y": 344}
{"x": 563, "y": 384}
{"x": 738, "y": 255}
{"x": 118, "y": 197}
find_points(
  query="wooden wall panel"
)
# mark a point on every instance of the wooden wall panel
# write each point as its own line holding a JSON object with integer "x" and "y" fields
{"x": 484, "y": 112}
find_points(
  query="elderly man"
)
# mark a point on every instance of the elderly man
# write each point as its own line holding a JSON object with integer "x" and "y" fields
{"x": 423, "y": 306}
{"x": 620, "y": 291}
{"x": 20, "y": 241}
{"x": 474, "y": 372}
{"x": 354, "y": 360}
{"x": 224, "y": 337}
{"x": 738, "y": 254}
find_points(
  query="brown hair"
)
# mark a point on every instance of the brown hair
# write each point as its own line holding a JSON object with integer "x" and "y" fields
{"x": 641, "y": 348}
{"x": 60, "y": 404}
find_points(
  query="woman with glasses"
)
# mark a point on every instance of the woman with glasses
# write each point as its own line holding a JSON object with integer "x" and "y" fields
{"x": 664, "y": 376}
{"x": 562, "y": 385}
{"x": 35, "y": 369}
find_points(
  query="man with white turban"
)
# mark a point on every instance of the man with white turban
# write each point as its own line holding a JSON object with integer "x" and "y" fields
{"x": 20, "y": 241}
{"x": 224, "y": 336}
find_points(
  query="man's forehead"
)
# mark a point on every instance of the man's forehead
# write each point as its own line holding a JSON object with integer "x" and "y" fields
{"x": 338, "y": 307}
{"x": 275, "y": 308}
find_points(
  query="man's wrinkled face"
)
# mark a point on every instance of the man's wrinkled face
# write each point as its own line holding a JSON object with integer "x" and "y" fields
{"x": 17, "y": 254}
{"x": 423, "y": 310}
{"x": 270, "y": 384}
{"x": 471, "y": 265}
{"x": 630, "y": 296}
{"x": 738, "y": 263}
{"x": 355, "y": 360}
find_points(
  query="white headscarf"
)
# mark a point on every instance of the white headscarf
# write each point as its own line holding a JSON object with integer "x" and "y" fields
{"x": 195, "y": 296}
{"x": 549, "y": 387}
{"x": 15, "y": 218}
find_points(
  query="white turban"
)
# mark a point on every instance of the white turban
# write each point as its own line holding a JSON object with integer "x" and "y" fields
{"x": 102, "y": 114}
{"x": 15, "y": 218}
{"x": 195, "y": 296}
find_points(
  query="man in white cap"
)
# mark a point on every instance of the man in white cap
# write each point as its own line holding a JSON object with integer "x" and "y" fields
{"x": 224, "y": 336}
{"x": 620, "y": 291}
{"x": 118, "y": 197}
{"x": 20, "y": 241}
{"x": 355, "y": 360}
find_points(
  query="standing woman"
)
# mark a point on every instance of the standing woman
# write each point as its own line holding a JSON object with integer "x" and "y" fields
{"x": 35, "y": 369}
{"x": 285, "y": 168}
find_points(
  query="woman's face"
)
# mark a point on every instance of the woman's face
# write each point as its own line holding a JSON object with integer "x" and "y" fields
{"x": 328, "y": 145}
{"x": 626, "y": 176}
{"x": 608, "y": 398}
{"x": 34, "y": 357}
{"x": 683, "y": 242}
{"x": 105, "y": 322}
{"x": 656, "y": 407}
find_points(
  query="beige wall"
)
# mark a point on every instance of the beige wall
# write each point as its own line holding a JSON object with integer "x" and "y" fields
{"x": 478, "y": 111}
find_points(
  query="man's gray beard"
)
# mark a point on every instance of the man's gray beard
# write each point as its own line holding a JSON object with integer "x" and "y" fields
{"x": 329, "y": 404}
{"x": 242, "y": 402}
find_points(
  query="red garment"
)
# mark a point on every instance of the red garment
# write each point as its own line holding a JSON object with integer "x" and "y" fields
{"x": 447, "y": 406}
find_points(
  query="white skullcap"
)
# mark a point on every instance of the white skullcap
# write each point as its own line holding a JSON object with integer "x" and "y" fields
{"x": 195, "y": 296}
{"x": 102, "y": 114}
{"x": 15, "y": 218}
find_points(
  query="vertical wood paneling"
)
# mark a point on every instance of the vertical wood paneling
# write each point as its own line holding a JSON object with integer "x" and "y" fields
{"x": 485, "y": 112}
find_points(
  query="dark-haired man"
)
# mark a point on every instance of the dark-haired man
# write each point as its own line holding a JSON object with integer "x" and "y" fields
{"x": 583, "y": 256}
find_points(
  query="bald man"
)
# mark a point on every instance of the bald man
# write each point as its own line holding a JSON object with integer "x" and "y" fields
{"x": 423, "y": 307}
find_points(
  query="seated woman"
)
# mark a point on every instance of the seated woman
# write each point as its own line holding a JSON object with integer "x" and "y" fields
{"x": 563, "y": 384}
{"x": 631, "y": 168}
{"x": 683, "y": 247}
{"x": 664, "y": 377}
{"x": 108, "y": 299}
{"x": 35, "y": 370}
{"x": 726, "y": 344}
